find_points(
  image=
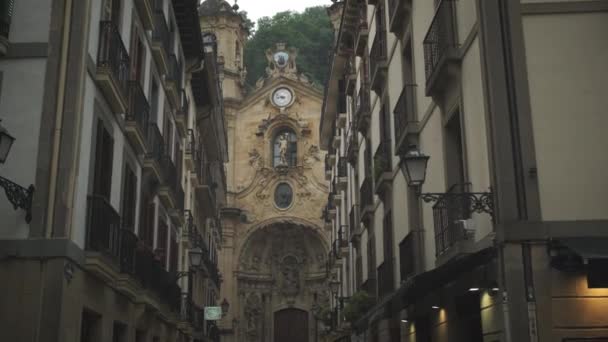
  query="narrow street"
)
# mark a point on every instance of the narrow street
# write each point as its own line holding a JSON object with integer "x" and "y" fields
{"x": 303, "y": 171}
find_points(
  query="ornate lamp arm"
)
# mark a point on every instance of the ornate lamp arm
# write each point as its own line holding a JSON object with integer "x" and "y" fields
{"x": 478, "y": 202}
{"x": 19, "y": 196}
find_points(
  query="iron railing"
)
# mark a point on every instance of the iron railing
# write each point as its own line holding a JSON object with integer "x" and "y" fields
{"x": 112, "y": 54}
{"x": 6, "y": 14}
{"x": 382, "y": 160}
{"x": 342, "y": 163}
{"x": 386, "y": 278}
{"x": 152, "y": 275}
{"x": 404, "y": 112}
{"x": 139, "y": 109}
{"x": 184, "y": 105}
{"x": 103, "y": 227}
{"x": 448, "y": 213}
{"x": 161, "y": 32}
{"x": 175, "y": 72}
{"x": 366, "y": 193}
{"x": 342, "y": 236}
{"x": 406, "y": 257}
{"x": 440, "y": 37}
{"x": 186, "y": 308}
{"x": 128, "y": 245}
{"x": 362, "y": 109}
{"x": 172, "y": 179}
{"x": 191, "y": 143}
{"x": 155, "y": 142}
{"x": 378, "y": 52}
{"x": 353, "y": 223}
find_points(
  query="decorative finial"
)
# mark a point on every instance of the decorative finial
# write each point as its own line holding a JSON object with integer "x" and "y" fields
{"x": 235, "y": 7}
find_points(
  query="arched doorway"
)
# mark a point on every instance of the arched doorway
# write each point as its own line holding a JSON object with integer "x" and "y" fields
{"x": 291, "y": 325}
{"x": 281, "y": 276}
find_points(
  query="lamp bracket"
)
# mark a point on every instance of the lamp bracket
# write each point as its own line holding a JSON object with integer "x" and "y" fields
{"x": 19, "y": 196}
{"x": 475, "y": 202}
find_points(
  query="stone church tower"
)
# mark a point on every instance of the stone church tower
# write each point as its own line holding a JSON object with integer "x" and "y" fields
{"x": 274, "y": 246}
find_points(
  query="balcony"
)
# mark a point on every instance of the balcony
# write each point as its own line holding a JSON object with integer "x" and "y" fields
{"x": 328, "y": 166}
{"x": 362, "y": 31}
{"x": 160, "y": 284}
{"x": 170, "y": 191}
{"x": 113, "y": 67}
{"x": 366, "y": 196}
{"x": 378, "y": 62}
{"x": 173, "y": 81}
{"x": 155, "y": 150}
{"x": 335, "y": 197}
{"x": 352, "y": 145}
{"x": 406, "y": 257}
{"x": 441, "y": 57}
{"x": 353, "y": 223}
{"x": 205, "y": 189}
{"x": 399, "y": 12}
{"x": 386, "y": 278}
{"x": 145, "y": 10}
{"x": 337, "y": 139}
{"x": 451, "y": 214}
{"x": 362, "y": 110}
{"x": 102, "y": 238}
{"x": 342, "y": 238}
{"x": 405, "y": 117}
{"x": 191, "y": 150}
{"x": 137, "y": 117}
{"x": 161, "y": 40}
{"x": 6, "y": 13}
{"x": 181, "y": 115}
{"x": 383, "y": 171}
{"x": 342, "y": 183}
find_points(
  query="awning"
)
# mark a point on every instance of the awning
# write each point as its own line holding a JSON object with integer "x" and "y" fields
{"x": 587, "y": 247}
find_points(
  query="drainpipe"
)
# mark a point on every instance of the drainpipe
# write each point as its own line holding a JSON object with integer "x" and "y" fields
{"x": 56, "y": 140}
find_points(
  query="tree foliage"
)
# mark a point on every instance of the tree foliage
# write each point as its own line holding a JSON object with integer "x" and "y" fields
{"x": 310, "y": 32}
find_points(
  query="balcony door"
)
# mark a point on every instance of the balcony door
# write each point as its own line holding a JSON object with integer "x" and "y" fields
{"x": 291, "y": 325}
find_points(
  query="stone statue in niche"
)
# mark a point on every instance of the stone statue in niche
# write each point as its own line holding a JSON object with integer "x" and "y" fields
{"x": 253, "y": 315}
{"x": 290, "y": 272}
{"x": 283, "y": 145}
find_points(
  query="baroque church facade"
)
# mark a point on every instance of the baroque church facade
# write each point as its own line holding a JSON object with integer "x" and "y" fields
{"x": 274, "y": 244}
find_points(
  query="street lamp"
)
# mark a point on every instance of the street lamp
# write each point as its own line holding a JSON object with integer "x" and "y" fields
{"x": 334, "y": 286}
{"x": 196, "y": 257}
{"x": 225, "y": 306}
{"x": 19, "y": 196}
{"x": 414, "y": 164}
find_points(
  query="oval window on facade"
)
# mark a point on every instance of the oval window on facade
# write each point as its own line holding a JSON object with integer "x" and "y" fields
{"x": 283, "y": 196}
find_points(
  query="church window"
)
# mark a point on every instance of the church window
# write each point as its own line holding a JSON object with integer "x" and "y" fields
{"x": 285, "y": 148}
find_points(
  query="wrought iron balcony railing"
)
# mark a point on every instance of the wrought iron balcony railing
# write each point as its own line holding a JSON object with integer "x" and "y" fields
{"x": 377, "y": 60}
{"x": 112, "y": 55}
{"x": 366, "y": 193}
{"x": 342, "y": 167}
{"x": 155, "y": 142}
{"x": 406, "y": 257}
{"x": 6, "y": 14}
{"x": 386, "y": 278}
{"x": 103, "y": 227}
{"x": 450, "y": 212}
{"x": 342, "y": 236}
{"x": 173, "y": 180}
{"x": 128, "y": 245}
{"x": 139, "y": 109}
{"x": 404, "y": 114}
{"x": 382, "y": 160}
{"x": 362, "y": 109}
{"x": 175, "y": 71}
{"x": 440, "y": 39}
{"x": 161, "y": 32}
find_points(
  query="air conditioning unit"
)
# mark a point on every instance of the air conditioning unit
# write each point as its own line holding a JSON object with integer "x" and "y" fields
{"x": 468, "y": 227}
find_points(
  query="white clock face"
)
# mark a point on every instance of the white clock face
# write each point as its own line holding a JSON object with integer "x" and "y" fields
{"x": 282, "y": 97}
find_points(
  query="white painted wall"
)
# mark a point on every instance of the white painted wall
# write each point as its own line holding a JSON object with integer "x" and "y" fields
{"x": 566, "y": 61}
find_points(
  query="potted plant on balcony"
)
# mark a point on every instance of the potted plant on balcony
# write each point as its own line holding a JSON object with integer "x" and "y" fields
{"x": 356, "y": 306}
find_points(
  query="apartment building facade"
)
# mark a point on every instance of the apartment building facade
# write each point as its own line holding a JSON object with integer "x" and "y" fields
{"x": 454, "y": 131}
{"x": 117, "y": 114}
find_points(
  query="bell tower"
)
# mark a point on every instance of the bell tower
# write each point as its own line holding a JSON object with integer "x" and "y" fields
{"x": 223, "y": 20}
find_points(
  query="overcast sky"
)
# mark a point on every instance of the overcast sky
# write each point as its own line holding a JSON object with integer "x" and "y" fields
{"x": 267, "y": 8}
